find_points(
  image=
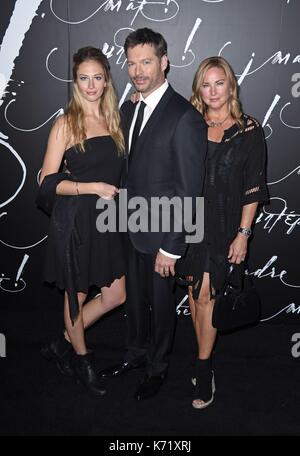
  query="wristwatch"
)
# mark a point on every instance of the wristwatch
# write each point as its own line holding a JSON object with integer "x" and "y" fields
{"x": 245, "y": 231}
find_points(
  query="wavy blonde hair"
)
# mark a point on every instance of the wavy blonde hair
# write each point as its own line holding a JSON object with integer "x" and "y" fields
{"x": 234, "y": 102}
{"x": 108, "y": 104}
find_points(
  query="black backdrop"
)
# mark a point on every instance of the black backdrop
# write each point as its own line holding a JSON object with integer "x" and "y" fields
{"x": 260, "y": 39}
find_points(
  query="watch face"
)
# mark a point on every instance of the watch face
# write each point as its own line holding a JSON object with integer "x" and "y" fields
{"x": 245, "y": 231}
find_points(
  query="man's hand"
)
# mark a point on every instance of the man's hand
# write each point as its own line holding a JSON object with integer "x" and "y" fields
{"x": 164, "y": 265}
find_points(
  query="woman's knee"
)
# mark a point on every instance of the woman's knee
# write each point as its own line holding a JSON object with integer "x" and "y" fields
{"x": 121, "y": 298}
{"x": 204, "y": 296}
{"x": 114, "y": 300}
{"x": 203, "y": 299}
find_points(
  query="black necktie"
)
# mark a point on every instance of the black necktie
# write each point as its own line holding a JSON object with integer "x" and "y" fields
{"x": 137, "y": 127}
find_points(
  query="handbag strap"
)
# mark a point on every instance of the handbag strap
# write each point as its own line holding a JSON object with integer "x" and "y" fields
{"x": 235, "y": 277}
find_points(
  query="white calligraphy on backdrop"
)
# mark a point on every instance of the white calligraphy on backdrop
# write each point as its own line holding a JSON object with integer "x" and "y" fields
{"x": 156, "y": 12}
{"x": 12, "y": 42}
{"x": 20, "y": 22}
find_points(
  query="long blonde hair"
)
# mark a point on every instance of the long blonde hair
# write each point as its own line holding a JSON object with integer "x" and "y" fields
{"x": 108, "y": 104}
{"x": 234, "y": 102}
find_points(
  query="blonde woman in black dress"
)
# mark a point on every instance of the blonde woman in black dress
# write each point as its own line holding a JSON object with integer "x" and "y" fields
{"x": 89, "y": 139}
{"x": 234, "y": 186}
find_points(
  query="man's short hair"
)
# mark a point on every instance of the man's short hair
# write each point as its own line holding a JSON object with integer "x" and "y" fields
{"x": 147, "y": 36}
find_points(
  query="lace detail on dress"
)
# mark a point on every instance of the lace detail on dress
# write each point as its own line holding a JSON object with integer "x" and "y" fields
{"x": 252, "y": 190}
{"x": 250, "y": 124}
{"x": 233, "y": 136}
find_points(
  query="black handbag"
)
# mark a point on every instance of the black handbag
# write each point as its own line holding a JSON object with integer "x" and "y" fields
{"x": 238, "y": 304}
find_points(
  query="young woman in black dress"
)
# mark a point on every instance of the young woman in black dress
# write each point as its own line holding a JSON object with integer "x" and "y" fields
{"x": 234, "y": 185}
{"x": 88, "y": 137}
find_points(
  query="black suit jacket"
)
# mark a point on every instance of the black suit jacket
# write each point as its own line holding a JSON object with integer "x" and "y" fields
{"x": 169, "y": 160}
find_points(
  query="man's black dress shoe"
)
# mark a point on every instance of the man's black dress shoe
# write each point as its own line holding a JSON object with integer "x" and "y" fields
{"x": 119, "y": 369}
{"x": 149, "y": 387}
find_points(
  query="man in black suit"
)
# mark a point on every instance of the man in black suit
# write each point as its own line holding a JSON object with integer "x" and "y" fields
{"x": 166, "y": 143}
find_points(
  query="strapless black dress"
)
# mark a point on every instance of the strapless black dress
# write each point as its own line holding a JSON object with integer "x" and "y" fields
{"x": 90, "y": 257}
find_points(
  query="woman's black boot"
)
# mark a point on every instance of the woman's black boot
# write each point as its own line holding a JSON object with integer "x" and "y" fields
{"x": 85, "y": 374}
{"x": 204, "y": 384}
{"x": 60, "y": 351}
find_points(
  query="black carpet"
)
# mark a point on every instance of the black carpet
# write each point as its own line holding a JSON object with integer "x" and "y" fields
{"x": 257, "y": 382}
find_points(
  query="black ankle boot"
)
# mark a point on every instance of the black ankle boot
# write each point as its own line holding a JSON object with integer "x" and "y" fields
{"x": 60, "y": 351}
{"x": 204, "y": 384}
{"x": 85, "y": 374}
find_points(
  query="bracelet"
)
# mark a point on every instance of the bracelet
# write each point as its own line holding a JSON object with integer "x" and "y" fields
{"x": 245, "y": 231}
{"x": 76, "y": 183}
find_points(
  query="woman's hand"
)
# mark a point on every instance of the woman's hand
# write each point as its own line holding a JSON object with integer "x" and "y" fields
{"x": 135, "y": 97}
{"x": 238, "y": 249}
{"x": 105, "y": 191}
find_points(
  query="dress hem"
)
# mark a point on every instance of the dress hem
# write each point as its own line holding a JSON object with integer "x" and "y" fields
{"x": 92, "y": 284}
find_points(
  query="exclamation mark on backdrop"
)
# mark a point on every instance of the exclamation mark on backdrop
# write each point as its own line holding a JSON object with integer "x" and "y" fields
{"x": 190, "y": 38}
{"x": 168, "y": 3}
{"x": 20, "y": 270}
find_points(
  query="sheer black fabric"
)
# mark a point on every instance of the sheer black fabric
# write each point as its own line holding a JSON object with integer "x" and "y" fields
{"x": 235, "y": 176}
